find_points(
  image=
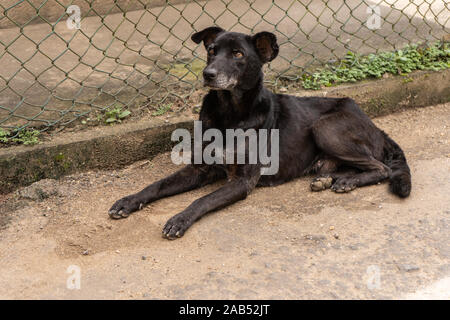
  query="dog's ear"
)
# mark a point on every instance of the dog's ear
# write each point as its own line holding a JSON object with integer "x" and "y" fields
{"x": 207, "y": 35}
{"x": 266, "y": 45}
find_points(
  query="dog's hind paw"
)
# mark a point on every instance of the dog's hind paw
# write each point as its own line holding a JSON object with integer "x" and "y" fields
{"x": 321, "y": 183}
{"x": 124, "y": 207}
{"x": 344, "y": 185}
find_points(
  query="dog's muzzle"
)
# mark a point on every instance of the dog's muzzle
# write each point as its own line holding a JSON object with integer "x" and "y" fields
{"x": 218, "y": 80}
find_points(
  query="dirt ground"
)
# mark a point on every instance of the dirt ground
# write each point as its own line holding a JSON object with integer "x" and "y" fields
{"x": 283, "y": 242}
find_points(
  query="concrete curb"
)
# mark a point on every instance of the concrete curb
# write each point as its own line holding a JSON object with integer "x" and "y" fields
{"x": 395, "y": 93}
{"x": 100, "y": 148}
{"x": 121, "y": 145}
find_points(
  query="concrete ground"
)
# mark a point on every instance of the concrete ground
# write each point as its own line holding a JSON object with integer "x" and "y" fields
{"x": 128, "y": 56}
{"x": 282, "y": 242}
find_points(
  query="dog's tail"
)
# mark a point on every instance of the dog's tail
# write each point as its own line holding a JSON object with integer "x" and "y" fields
{"x": 394, "y": 158}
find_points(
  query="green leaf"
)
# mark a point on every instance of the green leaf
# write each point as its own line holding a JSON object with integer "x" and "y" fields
{"x": 124, "y": 114}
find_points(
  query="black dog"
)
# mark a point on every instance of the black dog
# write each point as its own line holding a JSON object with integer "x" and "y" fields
{"x": 331, "y": 137}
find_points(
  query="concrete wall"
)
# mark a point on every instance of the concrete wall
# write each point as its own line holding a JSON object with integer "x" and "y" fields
{"x": 52, "y": 10}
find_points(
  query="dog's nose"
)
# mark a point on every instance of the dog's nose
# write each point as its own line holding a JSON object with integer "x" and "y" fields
{"x": 209, "y": 74}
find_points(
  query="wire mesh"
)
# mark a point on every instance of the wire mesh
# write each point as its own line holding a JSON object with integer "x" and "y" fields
{"x": 136, "y": 55}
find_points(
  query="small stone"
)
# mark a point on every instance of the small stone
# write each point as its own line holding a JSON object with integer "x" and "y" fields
{"x": 314, "y": 237}
{"x": 331, "y": 227}
{"x": 336, "y": 236}
{"x": 408, "y": 267}
{"x": 144, "y": 258}
{"x": 85, "y": 252}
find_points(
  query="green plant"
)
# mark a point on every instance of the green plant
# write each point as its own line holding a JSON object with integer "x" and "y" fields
{"x": 116, "y": 114}
{"x": 4, "y": 135}
{"x": 27, "y": 137}
{"x": 162, "y": 109}
{"x": 354, "y": 67}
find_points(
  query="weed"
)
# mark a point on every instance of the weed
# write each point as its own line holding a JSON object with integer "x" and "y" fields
{"x": 27, "y": 137}
{"x": 4, "y": 135}
{"x": 354, "y": 67}
{"x": 116, "y": 114}
{"x": 162, "y": 109}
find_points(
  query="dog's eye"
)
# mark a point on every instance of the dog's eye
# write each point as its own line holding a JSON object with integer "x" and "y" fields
{"x": 237, "y": 54}
{"x": 211, "y": 51}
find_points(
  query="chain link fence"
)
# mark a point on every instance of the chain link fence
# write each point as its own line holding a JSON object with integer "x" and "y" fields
{"x": 62, "y": 61}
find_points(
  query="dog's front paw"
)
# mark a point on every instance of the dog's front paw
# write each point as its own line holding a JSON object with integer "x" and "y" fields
{"x": 123, "y": 207}
{"x": 176, "y": 226}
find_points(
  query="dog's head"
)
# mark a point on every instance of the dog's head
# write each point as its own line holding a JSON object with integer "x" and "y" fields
{"x": 235, "y": 59}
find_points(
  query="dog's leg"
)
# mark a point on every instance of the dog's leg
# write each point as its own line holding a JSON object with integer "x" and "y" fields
{"x": 323, "y": 167}
{"x": 353, "y": 142}
{"x": 234, "y": 190}
{"x": 374, "y": 172}
{"x": 188, "y": 178}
